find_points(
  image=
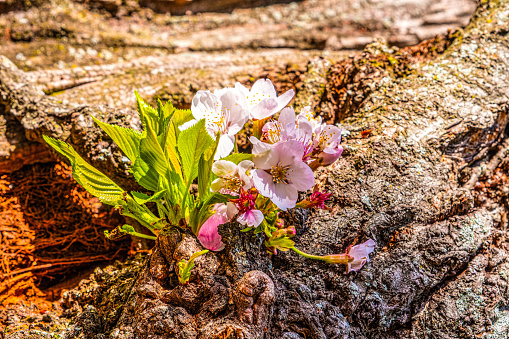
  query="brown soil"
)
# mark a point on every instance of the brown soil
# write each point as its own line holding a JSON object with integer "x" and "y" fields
{"x": 51, "y": 229}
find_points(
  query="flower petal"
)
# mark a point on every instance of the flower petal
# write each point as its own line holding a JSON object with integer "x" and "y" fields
{"x": 244, "y": 166}
{"x": 223, "y": 168}
{"x": 284, "y": 99}
{"x": 301, "y": 177}
{"x": 234, "y": 108}
{"x": 284, "y": 196}
{"x": 208, "y": 234}
{"x": 224, "y": 147}
{"x": 264, "y": 87}
{"x": 263, "y": 182}
{"x": 329, "y": 155}
{"x": 263, "y": 154}
{"x": 203, "y": 103}
{"x": 217, "y": 184}
{"x": 251, "y": 218}
{"x": 264, "y": 109}
{"x": 287, "y": 120}
{"x": 231, "y": 210}
{"x": 360, "y": 253}
{"x": 289, "y": 152}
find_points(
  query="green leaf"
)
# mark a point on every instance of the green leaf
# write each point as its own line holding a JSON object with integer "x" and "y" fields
{"x": 145, "y": 175}
{"x": 191, "y": 144}
{"x": 165, "y": 113}
{"x": 95, "y": 182}
{"x": 148, "y": 115}
{"x": 236, "y": 158}
{"x": 179, "y": 117}
{"x": 281, "y": 243}
{"x": 205, "y": 170}
{"x": 142, "y": 198}
{"x": 128, "y": 140}
{"x": 152, "y": 153}
{"x": 185, "y": 267}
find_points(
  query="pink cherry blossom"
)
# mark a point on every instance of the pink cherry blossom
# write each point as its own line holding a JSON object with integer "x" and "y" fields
{"x": 262, "y": 100}
{"x": 286, "y": 128}
{"x": 248, "y": 214}
{"x": 281, "y": 129}
{"x": 360, "y": 254}
{"x": 281, "y": 173}
{"x": 224, "y": 112}
{"x": 208, "y": 234}
{"x": 307, "y": 115}
{"x": 326, "y": 146}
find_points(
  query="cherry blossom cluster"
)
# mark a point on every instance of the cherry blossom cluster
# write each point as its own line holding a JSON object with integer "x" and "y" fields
{"x": 285, "y": 152}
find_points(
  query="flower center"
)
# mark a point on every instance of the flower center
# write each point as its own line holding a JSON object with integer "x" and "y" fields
{"x": 218, "y": 121}
{"x": 233, "y": 183}
{"x": 279, "y": 173}
{"x": 245, "y": 202}
{"x": 324, "y": 139}
{"x": 273, "y": 134}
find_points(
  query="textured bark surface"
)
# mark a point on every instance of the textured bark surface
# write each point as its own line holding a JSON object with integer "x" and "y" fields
{"x": 440, "y": 268}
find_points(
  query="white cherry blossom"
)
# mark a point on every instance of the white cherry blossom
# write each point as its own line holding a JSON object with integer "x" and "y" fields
{"x": 224, "y": 112}
{"x": 231, "y": 176}
{"x": 262, "y": 100}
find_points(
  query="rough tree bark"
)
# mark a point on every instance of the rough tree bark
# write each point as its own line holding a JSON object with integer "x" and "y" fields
{"x": 437, "y": 270}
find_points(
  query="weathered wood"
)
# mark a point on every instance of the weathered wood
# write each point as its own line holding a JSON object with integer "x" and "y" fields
{"x": 435, "y": 272}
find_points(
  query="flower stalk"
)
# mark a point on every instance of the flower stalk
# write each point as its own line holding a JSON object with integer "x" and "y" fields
{"x": 331, "y": 259}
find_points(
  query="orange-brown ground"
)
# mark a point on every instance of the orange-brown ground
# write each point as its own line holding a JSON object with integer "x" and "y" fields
{"x": 51, "y": 229}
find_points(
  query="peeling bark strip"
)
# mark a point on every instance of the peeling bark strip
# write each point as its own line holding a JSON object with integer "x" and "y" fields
{"x": 435, "y": 273}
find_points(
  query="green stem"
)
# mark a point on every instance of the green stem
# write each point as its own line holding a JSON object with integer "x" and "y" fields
{"x": 141, "y": 235}
{"x": 309, "y": 256}
{"x": 235, "y": 147}
{"x": 331, "y": 258}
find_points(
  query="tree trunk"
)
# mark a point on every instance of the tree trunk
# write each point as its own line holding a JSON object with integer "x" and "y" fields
{"x": 440, "y": 267}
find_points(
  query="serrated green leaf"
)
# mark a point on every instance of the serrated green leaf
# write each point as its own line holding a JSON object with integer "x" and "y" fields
{"x": 236, "y": 158}
{"x": 181, "y": 116}
{"x": 283, "y": 243}
{"x": 191, "y": 144}
{"x": 145, "y": 175}
{"x": 148, "y": 115}
{"x": 95, "y": 182}
{"x": 165, "y": 113}
{"x": 152, "y": 153}
{"x": 142, "y": 198}
{"x": 128, "y": 140}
